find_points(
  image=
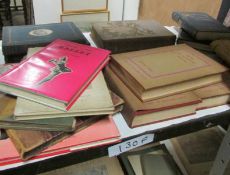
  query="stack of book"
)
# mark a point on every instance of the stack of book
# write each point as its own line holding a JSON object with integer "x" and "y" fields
{"x": 167, "y": 82}
{"x": 198, "y": 30}
{"x": 58, "y": 93}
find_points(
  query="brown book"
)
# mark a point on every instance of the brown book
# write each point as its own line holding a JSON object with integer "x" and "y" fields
{"x": 29, "y": 143}
{"x": 138, "y": 113}
{"x": 213, "y": 95}
{"x": 123, "y": 36}
{"x": 160, "y": 72}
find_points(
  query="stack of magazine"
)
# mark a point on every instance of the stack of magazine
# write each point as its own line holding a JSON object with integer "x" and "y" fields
{"x": 54, "y": 93}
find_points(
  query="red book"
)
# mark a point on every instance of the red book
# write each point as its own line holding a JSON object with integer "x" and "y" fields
{"x": 56, "y": 75}
{"x": 100, "y": 133}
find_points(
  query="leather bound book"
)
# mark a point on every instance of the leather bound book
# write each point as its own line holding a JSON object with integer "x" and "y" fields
{"x": 201, "y": 26}
{"x": 123, "y": 36}
{"x": 17, "y": 39}
{"x": 30, "y": 143}
{"x": 160, "y": 72}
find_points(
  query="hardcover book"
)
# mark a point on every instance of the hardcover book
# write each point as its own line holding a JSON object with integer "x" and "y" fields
{"x": 160, "y": 72}
{"x": 124, "y": 36}
{"x": 7, "y": 121}
{"x": 17, "y": 39}
{"x": 91, "y": 136}
{"x": 30, "y": 143}
{"x": 56, "y": 75}
{"x": 201, "y": 26}
{"x": 137, "y": 113}
{"x": 185, "y": 38}
{"x": 100, "y": 166}
{"x": 87, "y": 104}
{"x": 214, "y": 95}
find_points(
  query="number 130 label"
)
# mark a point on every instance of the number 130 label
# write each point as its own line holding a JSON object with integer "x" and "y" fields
{"x": 130, "y": 144}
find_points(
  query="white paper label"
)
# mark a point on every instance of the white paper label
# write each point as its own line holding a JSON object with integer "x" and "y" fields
{"x": 130, "y": 144}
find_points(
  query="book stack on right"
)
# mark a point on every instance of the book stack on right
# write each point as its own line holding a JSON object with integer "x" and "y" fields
{"x": 158, "y": 84}
{"x": 198, "y": 30}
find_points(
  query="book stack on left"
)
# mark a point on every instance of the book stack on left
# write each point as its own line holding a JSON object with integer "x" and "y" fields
{"x": 53, "y": 94}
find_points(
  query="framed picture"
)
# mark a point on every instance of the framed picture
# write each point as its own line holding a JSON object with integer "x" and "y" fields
{"x": 85, "y": 17}
{"x": 70, "y": 6}
{"x": 85, "y": 20}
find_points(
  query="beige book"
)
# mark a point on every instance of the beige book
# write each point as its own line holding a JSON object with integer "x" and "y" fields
{"x": 95, "y": 100}
{"x": 99, "y": 166}
{"x": 138, "y": 113}
{"x": 159, "y": 72}
{"x": 213, "y": 95}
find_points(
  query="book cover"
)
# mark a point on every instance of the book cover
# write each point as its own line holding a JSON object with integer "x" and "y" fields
{"x": 124, "y": 36}
{"x": 100, "y": 166}
{"x": 87, "y": 104}
{"x": 89, "y": 137}
{"x": 137, "y": 113}
{"x": 17, "y": 39}
{"x": 159, "y": 72}
{"x": 201, "y": 26}
{"x": 56, "y": 75}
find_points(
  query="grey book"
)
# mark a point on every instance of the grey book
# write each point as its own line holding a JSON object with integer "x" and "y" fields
{"x": 124, "y": 36}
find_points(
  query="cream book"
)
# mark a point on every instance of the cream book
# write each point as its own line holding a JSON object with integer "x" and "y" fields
{"x": 95, "y": 100}
{"x": 213, "y": 95}
{"x": 159, "y": 72}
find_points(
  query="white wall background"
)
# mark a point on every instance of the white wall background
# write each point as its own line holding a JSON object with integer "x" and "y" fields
{"x": 49, "y": 11}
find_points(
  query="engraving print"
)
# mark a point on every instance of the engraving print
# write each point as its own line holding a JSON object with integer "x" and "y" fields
{"x": 60, "y": 68}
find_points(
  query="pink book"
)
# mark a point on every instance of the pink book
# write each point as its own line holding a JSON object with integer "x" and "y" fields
{"x": 103, "y": 132}
{"x": 56, "y": 75}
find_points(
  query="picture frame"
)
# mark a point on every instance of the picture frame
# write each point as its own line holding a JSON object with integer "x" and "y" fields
{"x": 86, "y": 16}
{"x": 72, "y": 6}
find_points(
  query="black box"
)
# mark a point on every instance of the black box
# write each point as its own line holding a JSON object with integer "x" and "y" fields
{"x": 17, "y": 39}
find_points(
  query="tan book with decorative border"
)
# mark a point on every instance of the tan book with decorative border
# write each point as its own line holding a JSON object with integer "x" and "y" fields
{"x": 159, "y": 72}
